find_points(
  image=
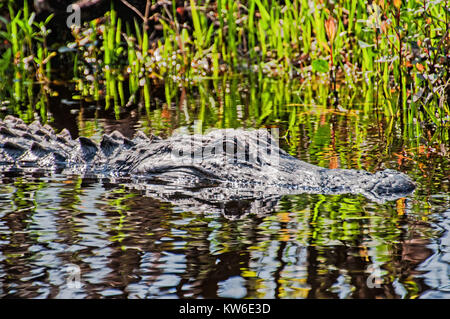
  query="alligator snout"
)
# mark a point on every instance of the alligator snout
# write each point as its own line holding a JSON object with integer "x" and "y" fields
{"x": 390, "y": 182}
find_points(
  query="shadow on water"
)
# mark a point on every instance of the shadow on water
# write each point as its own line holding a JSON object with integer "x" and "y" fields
{"x": 312, "y": 246}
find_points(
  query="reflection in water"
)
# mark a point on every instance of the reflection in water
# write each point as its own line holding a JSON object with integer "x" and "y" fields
{"x": 128, "y": 245}
{"x": 436, "y": 269}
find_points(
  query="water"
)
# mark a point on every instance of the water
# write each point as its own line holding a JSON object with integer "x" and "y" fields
{"x": 65, "y": 237}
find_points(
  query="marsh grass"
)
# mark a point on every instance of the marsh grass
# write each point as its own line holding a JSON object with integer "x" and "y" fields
{"x": 25, "y": 59}
{"x": 395, "y": 53}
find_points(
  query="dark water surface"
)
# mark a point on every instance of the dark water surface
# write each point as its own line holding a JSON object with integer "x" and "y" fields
{"x": 128, "y": 245}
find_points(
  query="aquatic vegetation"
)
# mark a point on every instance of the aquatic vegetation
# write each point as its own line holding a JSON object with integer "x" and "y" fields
{"x": 26, "y": 59}
{"x": 395, "y": 52}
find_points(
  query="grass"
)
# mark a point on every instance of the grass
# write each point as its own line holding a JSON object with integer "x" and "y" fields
{"x": 24, "y": 60}
{"x": 395, "y": 52}
{"x": 390, "y": 50}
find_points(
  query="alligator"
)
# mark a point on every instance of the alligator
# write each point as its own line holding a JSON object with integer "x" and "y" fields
{"x": 230, "y": 171}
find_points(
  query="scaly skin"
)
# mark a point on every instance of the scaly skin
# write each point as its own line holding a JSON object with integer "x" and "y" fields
{"x": 224, "y": 169}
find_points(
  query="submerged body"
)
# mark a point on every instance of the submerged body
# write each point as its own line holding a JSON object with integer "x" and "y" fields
{"x": 218, "y": 168}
